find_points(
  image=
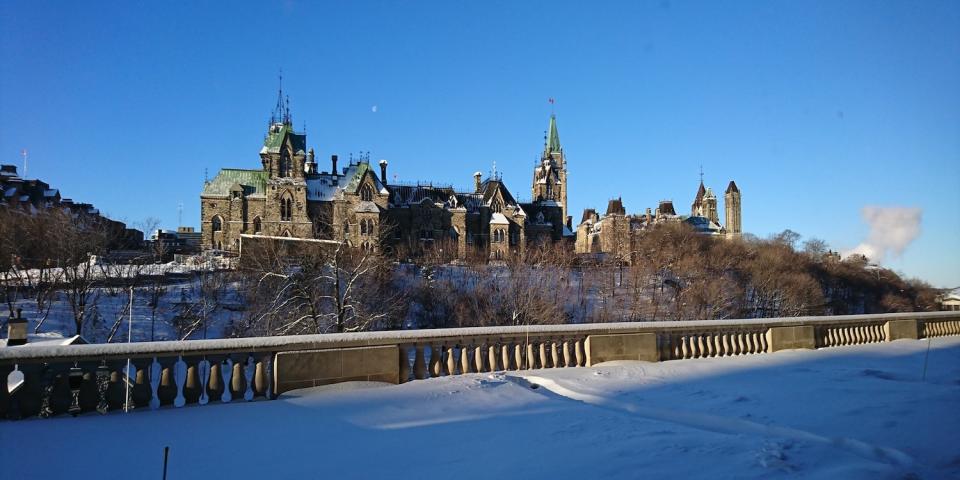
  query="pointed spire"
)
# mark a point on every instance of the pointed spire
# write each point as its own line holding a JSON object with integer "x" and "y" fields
{"x": 552, "y": 144}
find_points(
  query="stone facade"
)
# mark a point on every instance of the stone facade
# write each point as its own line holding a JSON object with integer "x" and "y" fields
{"x": 288, "y": 197}
{"x": 614, "y": 233}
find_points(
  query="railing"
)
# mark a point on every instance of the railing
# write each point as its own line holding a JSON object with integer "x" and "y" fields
{"x": 54, "y": 380}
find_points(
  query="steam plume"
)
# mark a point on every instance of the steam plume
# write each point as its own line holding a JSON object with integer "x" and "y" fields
{"x": 892, "y": 229}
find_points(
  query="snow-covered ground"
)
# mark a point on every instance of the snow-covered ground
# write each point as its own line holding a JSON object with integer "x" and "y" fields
{"x": 853, "y": 412}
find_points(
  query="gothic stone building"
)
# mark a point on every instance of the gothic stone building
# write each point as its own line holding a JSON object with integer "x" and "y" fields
{"x": 289, "y": 197}
{"x": 614, "y": 232}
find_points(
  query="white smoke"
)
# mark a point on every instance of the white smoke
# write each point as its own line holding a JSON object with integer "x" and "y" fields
{"x": 892, "y": 229}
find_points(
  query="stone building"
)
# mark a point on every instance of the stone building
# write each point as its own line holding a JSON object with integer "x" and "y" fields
{"x": 289, "y": 197}
{"x": 32, "y": 195}
{"x": 613, "y": 233}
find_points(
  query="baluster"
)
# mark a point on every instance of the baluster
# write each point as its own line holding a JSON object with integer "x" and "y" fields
{"x": 700, "y": 352}
{"x": 227, "y": 372}
{"x": 754, "y": 344}
{"x": 717, "y": 347}
{"x": 684, "y": 347}
{"x": 436, "y": 357}
{"x": 531, "y": 357}
{"x": 568, "y": 354}
{"x": 215, "y": 388}
{"x": 493, "y": 356}
{"x": 465, "y": 362}
{"x": 725, "y": 344}
{"x": 57, "y": 396}
{"x": 478, "y": 357}
{"x": 581, "y": 357}
{"x": 238, "y": 381}
{"x": 741, "y": 348}
{"x": 88, "y": 398}
{"x": 419, "y": 363}
{"x": 142, "y": 386}
{"x": 519, "y": 361}
{"x": 764, "y": 346}
{"x": 404, "y": 359}
{"x": 554, "y": 355}
{"x": 834, "y": 337}
{"x": 28, "y": 400}
{"x": 450, "y": 365}
{"x": 167, "y": 388}
{"x": 192, "y": 387}
{"x": 544, "y": 356}
{"x": 506, "y": 349}
{"x": 261, "y": 380}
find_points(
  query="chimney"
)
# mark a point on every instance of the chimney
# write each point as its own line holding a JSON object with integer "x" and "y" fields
{"x": 17, "y": 330}
{"x": 383, "y": 171}
{"x": 476, "y": 180}
{"x": 311, "y": 163}
{"x": 333, "y": 160}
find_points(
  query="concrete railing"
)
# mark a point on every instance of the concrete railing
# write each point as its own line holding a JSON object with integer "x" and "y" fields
{"x": 51, "y": 380}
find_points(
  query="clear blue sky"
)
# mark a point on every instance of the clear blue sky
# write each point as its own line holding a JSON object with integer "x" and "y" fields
{"x": 816, "y": 109}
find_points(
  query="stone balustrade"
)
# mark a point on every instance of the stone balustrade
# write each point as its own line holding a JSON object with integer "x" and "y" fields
{"x": 53, "y": 380}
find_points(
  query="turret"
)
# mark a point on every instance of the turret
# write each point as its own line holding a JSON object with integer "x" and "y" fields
{"x": 383, "y": 171}
{"x": 476, "y": 180}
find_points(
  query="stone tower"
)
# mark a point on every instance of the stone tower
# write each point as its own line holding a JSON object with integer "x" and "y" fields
{"x": 710, "y": 206}
{"x": 696, "y": 209}
{"x": 550, "y": 176}
{"x": 731, "y": 207}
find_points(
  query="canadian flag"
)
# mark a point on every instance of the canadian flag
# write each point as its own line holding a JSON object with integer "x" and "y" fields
{"x": 551, "y": 100}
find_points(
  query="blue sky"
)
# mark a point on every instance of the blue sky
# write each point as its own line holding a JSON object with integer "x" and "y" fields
{"x": 816, "y": 109}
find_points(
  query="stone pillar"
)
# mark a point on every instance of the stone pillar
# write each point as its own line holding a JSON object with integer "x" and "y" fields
{"x": 786, "y": 338}
{"x": 632, "y": 346}
{"x": 901, "y": 329}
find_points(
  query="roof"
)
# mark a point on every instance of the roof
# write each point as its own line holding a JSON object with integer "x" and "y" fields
{"x": 732, "y": 188}
{"x": 588, "y": 214}
{"x": 276, "y": 135}
{"x": 553, "y": 137}
{"x": 498, "y": 217}
{"x": 615, "y": 206}
{"x": 700, "y": 193}
{"x": 324, "y": 186}
{"x": 253, "y": 182}
{"x": 666, "y": 207}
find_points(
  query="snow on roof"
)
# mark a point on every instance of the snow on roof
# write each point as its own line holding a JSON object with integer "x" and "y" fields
{"x": 50, "y": 339}
{"x": 367, "y": 207}
{"x": 567, "y": 232}
{"x": 498, "y": 218}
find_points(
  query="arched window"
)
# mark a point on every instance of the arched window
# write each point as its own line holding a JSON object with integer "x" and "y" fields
{"x": 216, "y": 224}
{"x": 346, "y": 228}
{"x": 284, "y": 164}
{"x": 549, "y": 190}
{"x": 363, "y": 227}
{"x": 286, "y": 209}
{"x": 496, "y": 207}
{"x": 257, "y": 225}
{"x": 366, "y": 193}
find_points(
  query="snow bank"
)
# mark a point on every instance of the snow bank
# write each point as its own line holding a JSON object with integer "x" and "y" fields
{"x": 864, "y": 411}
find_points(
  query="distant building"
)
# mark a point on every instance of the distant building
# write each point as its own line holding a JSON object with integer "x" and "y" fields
{"x": 28, "y": 196}
{"x": 289, "y": 197}
{"x": 949, "y": 301}
{"x": 613, "y": 234}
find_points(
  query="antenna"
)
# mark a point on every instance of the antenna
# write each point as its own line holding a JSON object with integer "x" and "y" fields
{"x": 24, "y": 153}
{"x": 701, "y": 173}
{"x": 206, "y": 178}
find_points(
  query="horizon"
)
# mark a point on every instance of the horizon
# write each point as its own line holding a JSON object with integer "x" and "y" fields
{"x": 837, "y": 121}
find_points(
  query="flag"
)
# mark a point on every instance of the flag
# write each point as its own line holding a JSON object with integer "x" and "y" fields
{"x": 551, "y": 100}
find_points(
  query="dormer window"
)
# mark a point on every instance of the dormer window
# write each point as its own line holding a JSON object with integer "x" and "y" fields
{"x": 496, "y": 207}
{"x": 366, "y": 193}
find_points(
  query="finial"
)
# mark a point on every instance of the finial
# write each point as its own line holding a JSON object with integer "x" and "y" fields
{"x": 701, "y": 173}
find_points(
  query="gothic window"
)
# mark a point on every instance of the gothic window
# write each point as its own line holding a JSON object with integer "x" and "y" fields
{"x": 257, "y": 225}
{"x": 286, "y": 209}
{"x": 549, "y": 190}
{"x": 216, "y": 224}
{"x": 284, "y": 164}
{"x": 366, "y": 193}
{"x": 514, "y": 238}
{"x": 496, "y": 207}
{"x": 346, "y": 228}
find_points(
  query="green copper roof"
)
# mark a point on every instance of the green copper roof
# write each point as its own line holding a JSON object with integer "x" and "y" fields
{"x": 252, "y": 181}
{"x": 553, "y": 138}
{"x": 277, "y": 133}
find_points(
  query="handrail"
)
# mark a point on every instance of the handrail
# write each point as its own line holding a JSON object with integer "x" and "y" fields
{"x": 43, "y": 353}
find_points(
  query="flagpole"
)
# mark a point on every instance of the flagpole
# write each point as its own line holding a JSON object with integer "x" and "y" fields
{"x": 126, "y": 403}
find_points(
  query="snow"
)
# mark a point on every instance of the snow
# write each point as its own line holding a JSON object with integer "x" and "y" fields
{"x": 865, "y": 411}
{"x": 498, "y": 218}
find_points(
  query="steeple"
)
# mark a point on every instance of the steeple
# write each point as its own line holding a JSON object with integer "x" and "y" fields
{"x": 281, "y": 112}
{"x": 552, "y": 144}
